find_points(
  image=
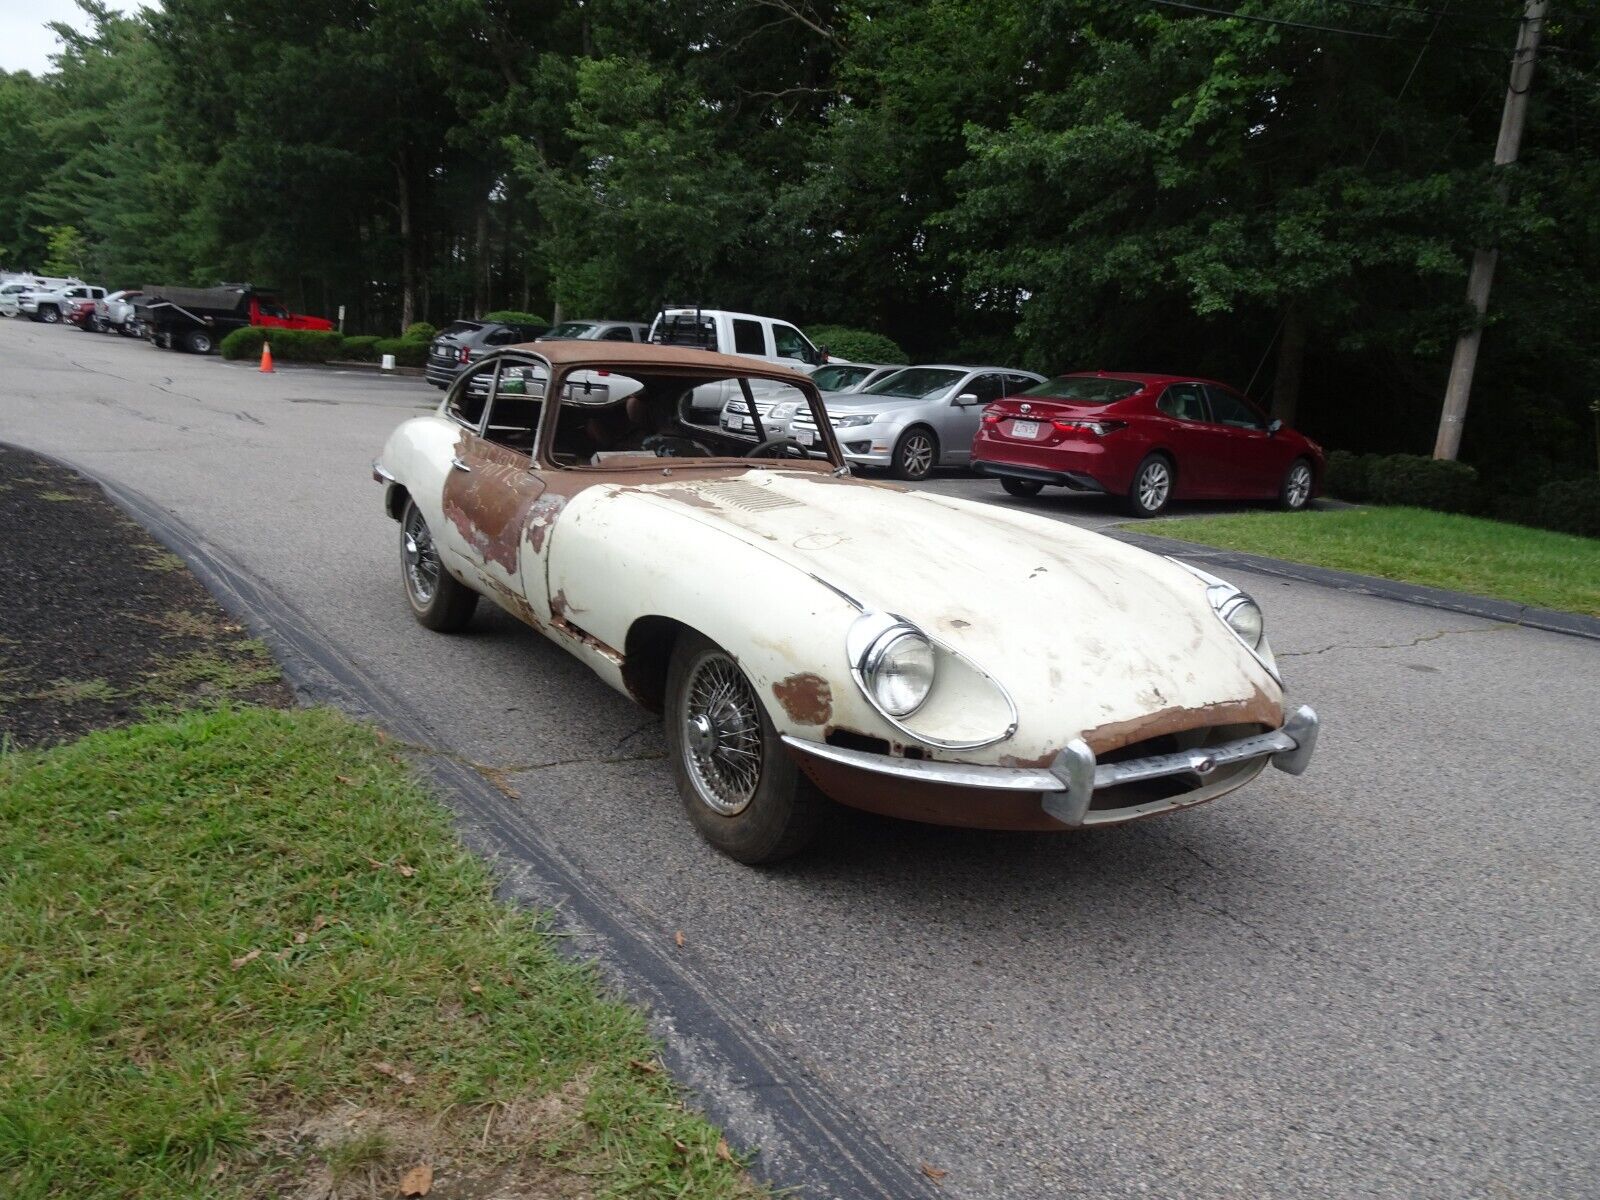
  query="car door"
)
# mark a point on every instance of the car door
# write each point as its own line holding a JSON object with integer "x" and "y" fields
{"x": 1185, "y": 431}
{"x": 961, "y": 415}
{"x": 1246, "y": 455}
{"x": 791, "y": 348}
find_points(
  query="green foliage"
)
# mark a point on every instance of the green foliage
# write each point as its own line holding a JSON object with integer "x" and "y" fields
{"x": 408, "y": 352}
{"x": 421, "y": 331}
{"x": 858, "y": 345}
{"x": 288, "y": 345}
{"x": 1570, "y": 506}
{"x": 1421, "y": 482}
{"x": 512, "y": 317}
{"x": 1345, "y": 476}
{"x": 65, "y": 250}
{"x": 361, "y": 348}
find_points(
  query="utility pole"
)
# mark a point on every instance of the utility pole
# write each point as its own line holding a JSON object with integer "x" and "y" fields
{"x": 1459, "y": 390}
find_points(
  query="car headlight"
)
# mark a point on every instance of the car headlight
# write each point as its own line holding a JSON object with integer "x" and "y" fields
{"x": 782, "y": 412}
{"x": 847, "y": 421}
{"x": 899, "y": 669}
{"x": 1243, "y": 615}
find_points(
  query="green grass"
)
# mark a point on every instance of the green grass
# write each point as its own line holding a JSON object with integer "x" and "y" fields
{"x": 226, "y": 931}
{"x": 1466, "y": 554}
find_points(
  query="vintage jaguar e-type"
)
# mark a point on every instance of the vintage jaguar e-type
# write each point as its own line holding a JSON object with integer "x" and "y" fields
{"x": 808, "y": 635}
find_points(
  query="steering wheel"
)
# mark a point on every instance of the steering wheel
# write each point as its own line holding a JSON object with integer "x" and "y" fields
{"x": 668, "y": 445}
{"x": 778, "y": 443}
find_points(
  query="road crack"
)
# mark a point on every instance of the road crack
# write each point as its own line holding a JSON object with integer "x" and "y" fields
{"x": 1416, "y": 641}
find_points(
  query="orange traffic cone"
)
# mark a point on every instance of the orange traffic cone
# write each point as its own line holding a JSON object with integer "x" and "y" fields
{"x": 266, "y": 358}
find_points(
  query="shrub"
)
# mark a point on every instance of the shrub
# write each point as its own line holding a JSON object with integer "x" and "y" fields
{"x": 421, "y": 331}
{"x": 1570, "y": 506}
{"x": 1422, "y": 482}
{"x": 1346, "y": 475}
{"x": 360, "y": 349}
{"x": 859, "y": 345}
{"x": 512, "y": 317}
{"x": 288, "y": 345}
{"x": 408, "y": 352}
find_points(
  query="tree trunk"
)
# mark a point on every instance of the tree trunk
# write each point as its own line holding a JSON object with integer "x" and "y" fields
{"x": 1291, "y": 357}
{"x": 480, "y": 253}
{"x": 408, "y": 266}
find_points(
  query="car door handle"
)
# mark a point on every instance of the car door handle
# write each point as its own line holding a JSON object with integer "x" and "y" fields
{"x": 457, "y": 465}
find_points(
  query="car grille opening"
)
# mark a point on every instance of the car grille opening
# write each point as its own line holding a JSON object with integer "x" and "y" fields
{"x": 1127, "y": 795}
{"x": 849, "y": 739}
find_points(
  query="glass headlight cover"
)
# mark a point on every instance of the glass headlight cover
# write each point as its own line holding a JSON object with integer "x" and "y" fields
{"x": 899, "y": 669}
{"x": 783, "y": 411}
{"x": 850, "y": 419}
{"x": 1242, "y": 615}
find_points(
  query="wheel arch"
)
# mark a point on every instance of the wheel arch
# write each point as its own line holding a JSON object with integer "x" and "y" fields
{"x": 646, "y": 656}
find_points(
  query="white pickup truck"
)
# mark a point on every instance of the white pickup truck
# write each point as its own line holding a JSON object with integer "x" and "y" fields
{"x": 766, "y": 339}
{"x": 50, "y": 304}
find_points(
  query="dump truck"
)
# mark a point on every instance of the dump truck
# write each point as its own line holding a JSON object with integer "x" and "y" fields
{"x": 197, "y": 319}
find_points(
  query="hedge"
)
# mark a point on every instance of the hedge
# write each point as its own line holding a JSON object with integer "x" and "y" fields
{"x": 420, "y": 331}
{"x": 1570, "y": 506}
{"x": 512, "y": 317}
{"x": 408, "y": 352}
{"x": 858, "y": 345}
{"x": 362, "y": 348}
{"x": 288, "y": 345}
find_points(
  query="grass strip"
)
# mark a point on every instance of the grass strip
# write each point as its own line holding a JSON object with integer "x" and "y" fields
{"x": 1413, "y": 545}
{"x": 245, "y": 955}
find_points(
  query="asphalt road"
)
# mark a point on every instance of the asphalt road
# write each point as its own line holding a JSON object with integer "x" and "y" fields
{"x": 1378, "y": 979}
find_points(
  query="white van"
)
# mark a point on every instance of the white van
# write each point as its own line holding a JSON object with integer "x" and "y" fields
{"x": 746, "y": 334}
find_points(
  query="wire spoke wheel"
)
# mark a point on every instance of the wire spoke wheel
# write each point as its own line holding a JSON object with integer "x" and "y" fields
{"x": 420, "y": 558}
{"x": 722, "y": 742}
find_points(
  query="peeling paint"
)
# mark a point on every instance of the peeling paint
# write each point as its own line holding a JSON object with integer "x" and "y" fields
{"x": 807, "y": 698}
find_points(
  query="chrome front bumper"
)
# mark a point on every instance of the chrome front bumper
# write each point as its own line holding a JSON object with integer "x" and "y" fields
{"x": 1067, "y": 786}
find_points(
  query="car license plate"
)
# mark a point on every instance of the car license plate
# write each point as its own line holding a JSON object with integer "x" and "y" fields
{"x": 1025, "y": 429}
{"x": 805, "y": 437}
{"x": 735, "y": 422}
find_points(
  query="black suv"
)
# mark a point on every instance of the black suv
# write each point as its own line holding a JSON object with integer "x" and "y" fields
{"x": 464, "y": 342}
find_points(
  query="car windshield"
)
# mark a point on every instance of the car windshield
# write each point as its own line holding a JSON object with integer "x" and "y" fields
{"x": 457, "y": 328}
{"x": 570, "y": 329}
{"x": 838, "y": 377}
{"x": 916, "y": 383}
{"x": 1084, "y": 389}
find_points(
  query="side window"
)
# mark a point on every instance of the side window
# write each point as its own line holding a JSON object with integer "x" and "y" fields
{"x": 620, "y": 334}
{"x": 1228, "y": 409}
{"x": 502, "y": 337}
{"x": 1183, "y": 401}
{"x": 748, "y": 338}
{"x": 469, "y": 395}
{"x": 987, "y": 388}
{"x": 791, "y": 343}
{"x": 1019, "y": 383}
{"x": 514, "y": 407}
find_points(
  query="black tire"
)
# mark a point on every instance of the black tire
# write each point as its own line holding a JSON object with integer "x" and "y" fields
{"x": 438, "y": 600}
{"x": 775, "y": 817}
{"x": 199, "y": 341}
{"x": 1151, "y": 489}
{"x": 1021, "y": 487}
{"x": 1295, "y": 491}
{"x": 49, "y": 314}
{"x": 916, "y": 453}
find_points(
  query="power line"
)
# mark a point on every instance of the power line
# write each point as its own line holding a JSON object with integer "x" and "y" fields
{"x": 1429, "y": 12}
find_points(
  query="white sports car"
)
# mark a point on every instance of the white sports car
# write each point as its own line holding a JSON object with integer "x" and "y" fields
{"x": 808, "y": 635}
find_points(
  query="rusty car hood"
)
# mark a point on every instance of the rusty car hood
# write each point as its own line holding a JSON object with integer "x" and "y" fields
{"x": 1044, "y": 606}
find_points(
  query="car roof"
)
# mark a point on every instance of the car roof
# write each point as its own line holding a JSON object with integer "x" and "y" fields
{"x": 648, "y": 354}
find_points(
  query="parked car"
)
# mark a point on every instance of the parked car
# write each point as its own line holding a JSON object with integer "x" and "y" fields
{"x": 81, "y": 314}
{"x": 197, "y": 319}
{"x": 462, "y": 342}
{"x": 10, "y": 293}
{"x": 776, "y": 403}
{"x": 597, "y": 331}
{"x": 918, "y": 418}
{"x": 117, "y": 313}
{"x": 15, "y": 284}
{"x": 761, "y": 339}
{"x": 809, "y": 636}
{"x": 1149, "y": 438}
{"x": 50, "y": 305}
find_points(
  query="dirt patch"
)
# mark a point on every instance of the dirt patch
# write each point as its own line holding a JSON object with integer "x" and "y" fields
{"x": 98, "y": 623}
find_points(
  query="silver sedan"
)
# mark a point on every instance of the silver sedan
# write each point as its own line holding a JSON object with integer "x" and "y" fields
{"x": 916, "y": 419}
{"x": 777, "y": 403}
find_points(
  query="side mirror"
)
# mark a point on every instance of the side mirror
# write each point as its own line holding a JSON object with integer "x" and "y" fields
{"x": 1273, "y": 426}
{"x": 967, "y": 399}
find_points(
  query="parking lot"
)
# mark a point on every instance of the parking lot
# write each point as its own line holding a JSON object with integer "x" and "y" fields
{"x": 1375, "y": 979}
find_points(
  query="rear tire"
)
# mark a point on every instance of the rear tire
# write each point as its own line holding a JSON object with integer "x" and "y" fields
{"x": 198, "y": 341}
{"x": 915, "y": 454}
{"x": 1152, "y": 486}
{"x": 1295, "y": 492}
{"x": 438, "y": 600}
{"x": 1021, "y": 487}
{"x": 739, "y": 786}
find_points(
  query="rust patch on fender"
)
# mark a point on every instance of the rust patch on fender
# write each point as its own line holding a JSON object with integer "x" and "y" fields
{"x": 1259, "y": 709}
{"x": 542, "y": 515}
{"x": 807, "y": 698}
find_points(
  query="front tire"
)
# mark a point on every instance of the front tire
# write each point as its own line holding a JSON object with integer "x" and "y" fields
{"x": 1152, "y": 486}
{"x": 915, "y": 454}
{"x": 438, "y": 601}
{"x": 739, "y": 786}
{"x": 49, "y": 314}
{"x": 1021, "y": 487}
{"x": 1295, "y": 493}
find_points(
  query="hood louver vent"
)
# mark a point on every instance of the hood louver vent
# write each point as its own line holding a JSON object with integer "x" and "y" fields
{"x": 747, "y": 496}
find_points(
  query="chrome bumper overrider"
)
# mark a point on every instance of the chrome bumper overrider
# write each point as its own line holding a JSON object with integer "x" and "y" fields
{"x": 1067, "y": 786}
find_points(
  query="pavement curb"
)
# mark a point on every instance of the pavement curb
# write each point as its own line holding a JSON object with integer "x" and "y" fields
{"x": 1506, "y": 611}
{"x": 761, "y": 1094}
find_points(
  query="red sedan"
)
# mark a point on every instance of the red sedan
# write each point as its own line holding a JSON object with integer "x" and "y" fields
{"x": 1149, "y": 438}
